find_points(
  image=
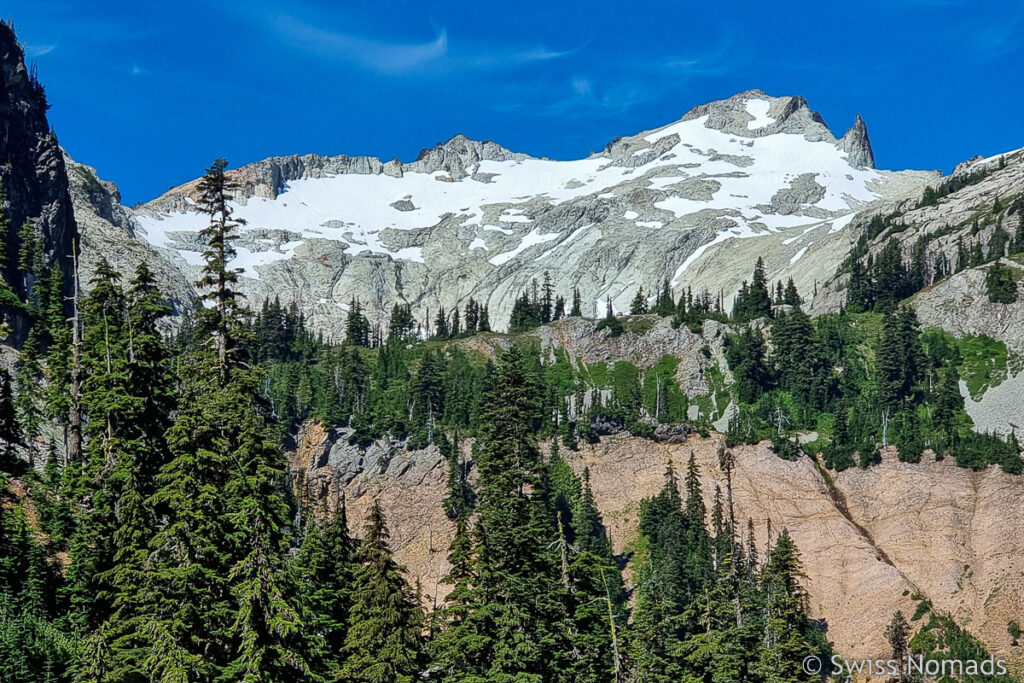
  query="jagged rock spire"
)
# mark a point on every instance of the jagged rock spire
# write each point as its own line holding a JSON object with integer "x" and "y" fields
{"x": 858, "y": 146}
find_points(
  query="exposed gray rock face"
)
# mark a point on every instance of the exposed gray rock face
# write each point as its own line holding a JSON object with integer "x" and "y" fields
{"x": 788, "y": 114}
{"x": 108, "y": 232}
{"x": 696, "y": 201}
{"x": 803, "y": 192}
{"x": 32, "y": 171}
{"x": 270, "y": 177}
{"x": 858, "y": 146}
{"x": 947, "y": 224}
{"x": 350, "y": 466}
{"x": 960, "y": 306}
{"x": 646, "y": 340}
{"x": 403, "y": 205}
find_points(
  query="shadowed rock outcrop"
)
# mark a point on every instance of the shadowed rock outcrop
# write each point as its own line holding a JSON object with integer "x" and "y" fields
{"x": 32, "y": 170}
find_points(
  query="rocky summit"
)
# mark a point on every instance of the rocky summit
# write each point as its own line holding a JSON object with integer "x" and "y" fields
{"x": 698, "y": 200}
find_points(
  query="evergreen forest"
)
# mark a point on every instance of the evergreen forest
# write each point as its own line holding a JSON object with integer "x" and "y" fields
{"x": 150, "y": 529}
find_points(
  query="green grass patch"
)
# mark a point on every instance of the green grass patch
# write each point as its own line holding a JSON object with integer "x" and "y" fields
{"x": 660, "y": 392}
{"x": 595, "y": 374}
{"x": 713, "y": 404}
{"x": 826, "y": 425}
{"x": 639, "y": 325}
{"x": 985, "y": 363}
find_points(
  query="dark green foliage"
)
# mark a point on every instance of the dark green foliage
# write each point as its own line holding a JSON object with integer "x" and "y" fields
{"x": 220, "y": 603}
{"x": 897, "y": 633}
{"x": 10, "y": 431}
{"x": 516, "y": 572}
{"x": 57, "y": 399}
{"x": 899, "y": 361}
{"x": 704, "y": 609}
{"x": 880, "y": 279}
{"x": 34, "y": 644}
{"x": 547, "y": 299}
{"x": 30, "y": 263}
{"x": 268, "y": 634}
{"x": 456, "y": 645}
{"x": 948, "y": 403}
{"x": 790, "y": 636}
{"x": 884, "y": 279}
{"x": 128, "y": 397}
{"x": 639, "y": 304}
{"x": 576, "y": 309}
{"x": 907, "y": 435}
{"x": 952, "y": 184}
{"x": 1000, "y": 285}
{"x": 559, "y": 311}
{"x": 944, "y": 642}
{"x": 790, "y": 296}
{"x": 538, "y": 558}
{"x": 191, "y": 560}
{"x": 664, "y": 304}
{"x": 746, "y": 353}
{"x": 978, "y": 451}
{"x": 526, "y": 314}
{"x": 1014, "y": 631}
{"x": 9, "y": 301}
{"x": 221, "y": 319}
{"x": 838, "y": 453}
{"x": 357, "y": 327}
{"x": 325, "y": 563}
{"x": 610, "y": 322}
{"x": 693, "y": 311}
{"x": 801, "y": 365}
{"x": 28, "y": 400}
{"x": 383, "y": 643}
{"x": 476, "y": 317}
{"x": 753, "y": 301}
{"x": 460, "y": 500}
{"x": 595, "y": 596}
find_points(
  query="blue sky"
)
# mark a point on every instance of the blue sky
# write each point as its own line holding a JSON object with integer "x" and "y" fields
{"x": 151, "y": 93}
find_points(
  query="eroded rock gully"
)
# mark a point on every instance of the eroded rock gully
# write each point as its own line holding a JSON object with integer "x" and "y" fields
{"x": 870, "y": 539}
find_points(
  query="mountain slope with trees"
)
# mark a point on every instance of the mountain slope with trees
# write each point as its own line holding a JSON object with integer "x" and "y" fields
{"x": 713, "y": 487}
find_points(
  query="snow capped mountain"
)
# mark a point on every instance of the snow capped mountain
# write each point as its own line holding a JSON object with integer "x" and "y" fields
{"x": 695, "y": 201}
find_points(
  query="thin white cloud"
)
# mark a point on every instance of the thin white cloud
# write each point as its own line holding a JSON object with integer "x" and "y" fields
{"x": 493, "y": 56}
{"x": 137, "y": 70}
{"x": 373, "y": 55}
{"x": 991, "y": 41}
{"x": 34, "y": 51}
{"x": 438, "y": 57}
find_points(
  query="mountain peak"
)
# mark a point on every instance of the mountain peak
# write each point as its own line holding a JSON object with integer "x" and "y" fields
{"x": 754, "y": 113}
{"x": 857, "y": 145}
{"x": 459, "y": 153}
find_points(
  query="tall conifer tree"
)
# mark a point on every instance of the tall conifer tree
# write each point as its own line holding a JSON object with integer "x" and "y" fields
{"x": 383, "y": 642}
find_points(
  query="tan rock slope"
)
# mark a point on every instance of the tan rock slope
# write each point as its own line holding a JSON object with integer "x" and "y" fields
{"x": 870, "y": 541}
